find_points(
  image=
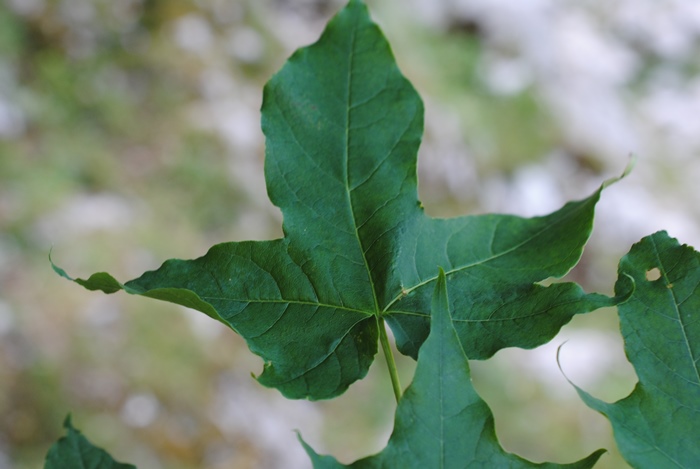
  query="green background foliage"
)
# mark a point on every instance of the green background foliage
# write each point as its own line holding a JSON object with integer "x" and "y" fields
{"x": 74, "y": 450}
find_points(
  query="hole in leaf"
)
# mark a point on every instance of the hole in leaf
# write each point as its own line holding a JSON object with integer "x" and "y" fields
{"x": 653, "y": 274}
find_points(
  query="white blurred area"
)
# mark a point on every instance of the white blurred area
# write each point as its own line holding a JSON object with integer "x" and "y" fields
{"x": 620, "y": 80}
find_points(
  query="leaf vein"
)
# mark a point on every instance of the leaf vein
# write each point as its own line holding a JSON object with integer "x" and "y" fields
{"x": 684, "y": 332}
{"x": 285, "y": 301}
{"x": 477, "y": 263}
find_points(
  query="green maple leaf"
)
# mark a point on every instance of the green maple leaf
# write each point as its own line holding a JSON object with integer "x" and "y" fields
{"x": 75, "y": 451}
{"x": 658, "y": 424}
{"x": 342, "y": 130}
{"x": 441, "y": 422}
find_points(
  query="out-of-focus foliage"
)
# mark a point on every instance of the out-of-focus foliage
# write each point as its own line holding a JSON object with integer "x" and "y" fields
{"x": 74, "y": 450}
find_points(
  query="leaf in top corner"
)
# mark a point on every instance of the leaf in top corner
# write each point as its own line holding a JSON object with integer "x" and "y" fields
{"x": 441, "y": 422}
{"x": 658, "y": 424}
{"x": 342, "y": 129}
{"x": 75, "y": 451}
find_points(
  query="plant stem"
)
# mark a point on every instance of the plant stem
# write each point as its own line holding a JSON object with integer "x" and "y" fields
{"x": 389, "y": 355}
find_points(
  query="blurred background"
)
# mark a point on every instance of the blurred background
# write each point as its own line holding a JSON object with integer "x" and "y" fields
{"x": 129, "y": 134}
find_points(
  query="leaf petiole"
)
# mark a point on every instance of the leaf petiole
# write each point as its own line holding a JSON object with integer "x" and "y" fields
{"x": 389, "y": 356}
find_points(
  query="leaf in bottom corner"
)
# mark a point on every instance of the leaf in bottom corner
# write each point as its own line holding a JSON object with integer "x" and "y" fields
{"x": 441, "y": 422}
{"x": 658, "y": 424}
{"x": 75, "y": 451}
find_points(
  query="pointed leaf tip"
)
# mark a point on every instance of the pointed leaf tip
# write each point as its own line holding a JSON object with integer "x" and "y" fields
{"x": 67, "y": 422}
{"x": 99, "y": 281}
{"x": 627, "y": 171}
{"x": 440, "y": 301}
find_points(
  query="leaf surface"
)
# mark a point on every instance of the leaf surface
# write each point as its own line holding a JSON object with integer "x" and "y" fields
{"x": 658, "y": 424}
{"x": 342, "y": 129}
{"x": 75, "y": 451}
{"x": 441, "y": 422}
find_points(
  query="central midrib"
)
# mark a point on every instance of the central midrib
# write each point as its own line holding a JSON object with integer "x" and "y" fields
{"x": 348, "y": 192}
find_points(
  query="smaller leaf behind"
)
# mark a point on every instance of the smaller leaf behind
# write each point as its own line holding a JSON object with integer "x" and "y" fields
{"x": 658, "y": 424}
{"x": 75, "y": 451}
{"x": 441, "y": 422}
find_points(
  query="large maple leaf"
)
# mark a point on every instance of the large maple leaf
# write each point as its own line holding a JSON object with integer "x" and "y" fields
{"x": 342, "y": 129}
